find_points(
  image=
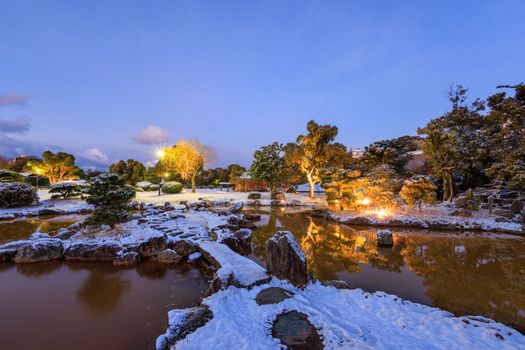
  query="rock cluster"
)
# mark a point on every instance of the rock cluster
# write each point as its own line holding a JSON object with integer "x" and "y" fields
{"x": 295, "y": 331}
{"x": 182, "y": 322}
{"x": 239, "y": 241}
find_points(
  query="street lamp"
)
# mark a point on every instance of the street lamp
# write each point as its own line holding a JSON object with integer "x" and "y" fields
{"x": 160, "y": 154}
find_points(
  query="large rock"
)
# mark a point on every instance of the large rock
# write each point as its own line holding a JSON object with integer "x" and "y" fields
{"x": 71, "y": 230}
{"x": 254, "y": 195}
{"x": 237, "y": 223}
{"x": 40, "y": 250}
{"x": 295, "y": 331}
{"x": 92, "y": 252}
{"x": 240, "y": 241}
{"x": 169, "y": 257}
{"x": 126, "y": 259}
{"x": 7, "y": 255}
{"x": 516, "y": 207}
{"x": 285, "y": 259}
{"x": 252, "y": 216}
{"x": 272, "y": 295}
{"x": 182, "y": 322}
{"x": 385, "y": 238}
{"x": 50, "y": 211}
{"x": 152, "y": 246}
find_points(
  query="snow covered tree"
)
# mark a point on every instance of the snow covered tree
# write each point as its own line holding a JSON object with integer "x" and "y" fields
{"x": 110, "y": 195}
{"x": 395, "y": 152}
{"x": 131, "y": 171}
{"x": 56, "y": 167}
{"x": 10, "y": 176}
{"x": 16, "y": 194}
{"x": 187, "y": 158}
{"x": 419, "y": 190}
{"x": 337, "y": 184}
{"x": 269, "y": 165}
{"x": 506, "y": 134}
{"x": 65, "y": 190}
{"x": 315, "y": 151}
{"x": 455, "y": 143}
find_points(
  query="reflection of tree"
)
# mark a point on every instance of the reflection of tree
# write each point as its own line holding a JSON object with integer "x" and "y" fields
{"x": 102, "y": 290}
{"x": 466, "y": 275}
{"x": 485, "y": 276}
{"x": 151, "y": 271}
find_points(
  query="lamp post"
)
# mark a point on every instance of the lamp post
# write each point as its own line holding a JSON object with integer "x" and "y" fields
{"x": 160, "y": 155}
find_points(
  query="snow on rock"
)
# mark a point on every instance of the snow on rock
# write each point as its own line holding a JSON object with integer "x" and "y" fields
{"x": 232, "y": 267}
{"x": 345, "y": 319}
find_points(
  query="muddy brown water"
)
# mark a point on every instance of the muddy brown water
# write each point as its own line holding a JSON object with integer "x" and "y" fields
{"x": 22, "y": 228}
{"x": 464, "y": 273}
{"x": 54, "y": 306}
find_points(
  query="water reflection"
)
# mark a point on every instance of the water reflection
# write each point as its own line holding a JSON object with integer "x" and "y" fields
{"x": 91, "y": 306}
{"x": 463, "y": 273}
{"x": 14, "y": 230}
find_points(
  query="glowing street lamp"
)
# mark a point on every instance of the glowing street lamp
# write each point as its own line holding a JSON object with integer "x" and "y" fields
{"x": 38, "y": 171}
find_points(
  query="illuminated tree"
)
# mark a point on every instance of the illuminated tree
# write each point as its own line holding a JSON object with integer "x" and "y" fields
{"x": 338, "y": 185}
{"x": 187, "y": 158}
{"x": 56, "y": 167}
{"x": 419, "y": 190}
{"x": 315, "y": 151}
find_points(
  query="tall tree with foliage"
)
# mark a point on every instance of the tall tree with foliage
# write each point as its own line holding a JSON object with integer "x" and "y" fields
{"x": 337, "y": 183}
{"x": 187, "y": 158}
{"x": 315, "y": 151}
{"x": 269, "y": 165}
{"x": 57, "y": 167}
{"x": 506, "y": 136}
{"x": 110, "y": 195}
{"x": 455, "y": 143}
{"x": 131, "y": 171}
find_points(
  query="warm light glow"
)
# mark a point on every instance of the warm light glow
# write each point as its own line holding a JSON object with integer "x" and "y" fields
{"x": 160, "y": 153}
{"x": 166, "y": 174}
{"x": 380, "y": 213}
{"x": 38, "y": 171}
{"x": 364, "y": 201}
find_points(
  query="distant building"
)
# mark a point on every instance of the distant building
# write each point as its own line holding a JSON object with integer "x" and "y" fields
{"x": 356, "y": 152}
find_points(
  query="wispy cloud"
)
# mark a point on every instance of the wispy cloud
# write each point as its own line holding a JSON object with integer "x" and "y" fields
{"x": 17, "y": 125}
{"x": 96, "y": 156}
{"x": 13, "y": 99}
{"x": 152, "y": 135}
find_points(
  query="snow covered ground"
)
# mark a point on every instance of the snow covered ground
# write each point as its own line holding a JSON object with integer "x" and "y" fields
{"x": 223, "y": 196}
{"x": 345, "y": 319}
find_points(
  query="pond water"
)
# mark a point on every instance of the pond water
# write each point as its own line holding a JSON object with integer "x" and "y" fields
{"x": 50, "y": 306}
{"x": 466, "y": 274}
{"x": 14, "y": 230}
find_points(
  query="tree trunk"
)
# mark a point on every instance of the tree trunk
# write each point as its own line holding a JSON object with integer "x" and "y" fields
{"x": 451, "y": 184}
{"x": 419, "y": 204}
{"x": 311, "y": 182}
{"x": 193, "y": 190}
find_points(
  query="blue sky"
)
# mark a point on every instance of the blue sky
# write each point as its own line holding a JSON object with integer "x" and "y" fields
{"x": 88, "y": 76}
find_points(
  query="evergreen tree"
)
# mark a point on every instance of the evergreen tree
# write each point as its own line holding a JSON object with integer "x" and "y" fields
{"x": 269, "y": 165}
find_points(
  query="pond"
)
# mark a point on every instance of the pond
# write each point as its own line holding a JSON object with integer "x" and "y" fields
{"x": 51, "y": 306}
{"x": 464, "y": 273}
{"x": 17, "y": 229}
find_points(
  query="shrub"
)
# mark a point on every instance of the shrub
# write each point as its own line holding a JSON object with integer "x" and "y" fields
{"x": 16, "y": 194}
{"x": 419, "y": 190}
{"x": 110, "y": 196}
{"x": 10, "y": 176}
{"x": 144, "y": 185}
{"x": 42, "y": 180}
{"x": 65, "y": 190}
{"x": 153, "y": 187}
{"x": 172, "y": 187}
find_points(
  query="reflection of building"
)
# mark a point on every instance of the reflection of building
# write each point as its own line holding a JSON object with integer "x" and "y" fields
{"x": 246, "y": 184}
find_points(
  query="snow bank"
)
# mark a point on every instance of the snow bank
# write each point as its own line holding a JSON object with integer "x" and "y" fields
{"x": 346, "y": 319}
{"x": 245, "y": 272}
{"x": 62, "y": 206}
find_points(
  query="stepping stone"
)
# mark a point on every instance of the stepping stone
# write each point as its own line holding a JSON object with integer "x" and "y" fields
{"x": 272, "y": 295}
{"x": 295, "y": 331}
